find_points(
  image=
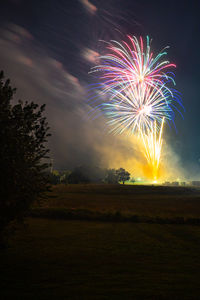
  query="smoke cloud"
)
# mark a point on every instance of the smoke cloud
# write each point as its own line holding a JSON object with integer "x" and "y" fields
{"x": 40, "y": 78}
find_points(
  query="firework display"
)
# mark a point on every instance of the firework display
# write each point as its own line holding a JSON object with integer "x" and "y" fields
{"x": 136, "y": 108}
{"x": 152, "y": 141}
{"x": 129, "y": 64}
{"x": 137, "y": 93}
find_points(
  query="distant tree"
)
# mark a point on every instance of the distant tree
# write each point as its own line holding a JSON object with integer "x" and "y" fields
{"x": 122, "y": 175}
{"x": 64, "y": 176}
{"x": 95, "y": 174}
{"x": 23, "y": 134}
{"x": 132, "y": 179}
{"x": 78, "y": 175}
{"x": 111, "y": 176}
{"x": 57, "y": 177}
{"x": 54, "y": 177}
{"x": 87, "y": 174}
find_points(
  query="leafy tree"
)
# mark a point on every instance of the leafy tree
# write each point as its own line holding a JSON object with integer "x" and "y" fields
{"x": 122, "y": 175}
{"x": 78, "y": 175}
{"x": 54, "y": 177}
{"x": 95, "y": 174}
{"x": 64, "y": 176}
{"x": 111, "y": 176}
{"x": 23, "y": 134}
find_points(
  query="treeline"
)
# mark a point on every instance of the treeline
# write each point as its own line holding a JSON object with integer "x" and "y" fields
{"x": 88, "y": 174}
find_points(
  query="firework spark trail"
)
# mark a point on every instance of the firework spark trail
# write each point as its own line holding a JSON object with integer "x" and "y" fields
{"x": 152, "y": 141}
{"x": 136, "y": 95}
{"x": 128, "y": 65}
{"x": 136, "y": 108}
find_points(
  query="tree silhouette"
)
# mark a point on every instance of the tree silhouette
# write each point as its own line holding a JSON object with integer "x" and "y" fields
{"x": 111, "y": 176}
{"x": 122, "y": 175}
{"x": 23, "y": 134}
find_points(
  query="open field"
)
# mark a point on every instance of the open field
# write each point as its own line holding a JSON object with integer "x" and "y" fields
{"x": 128, "y": 199}
{"x": 54, "y": 259}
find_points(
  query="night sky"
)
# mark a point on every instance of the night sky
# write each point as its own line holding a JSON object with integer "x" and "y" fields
{"x": 47, "y": 48}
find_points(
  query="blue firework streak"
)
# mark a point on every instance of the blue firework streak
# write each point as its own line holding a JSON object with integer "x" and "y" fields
{"x": 135, "y": 109}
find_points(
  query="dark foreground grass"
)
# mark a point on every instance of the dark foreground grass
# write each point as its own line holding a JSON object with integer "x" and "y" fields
{"x": 53, "y": 259}
{"x": 91, "y": 215}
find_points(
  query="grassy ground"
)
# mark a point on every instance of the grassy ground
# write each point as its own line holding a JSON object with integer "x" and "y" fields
{"x": 91, "y": 260}
{"x": 140, "y": 200}
{"x": 65, "y": 259}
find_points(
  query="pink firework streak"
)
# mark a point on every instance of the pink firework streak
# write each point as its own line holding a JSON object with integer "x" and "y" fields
{"x": 128, "y": 65}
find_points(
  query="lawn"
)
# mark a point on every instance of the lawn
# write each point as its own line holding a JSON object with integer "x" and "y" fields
{"x": 54, "y": 259}
{"x": 78, "y": 259}
{"x": 127, "y": 199}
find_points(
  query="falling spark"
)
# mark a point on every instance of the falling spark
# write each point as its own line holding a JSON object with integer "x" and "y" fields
{"x": 152, "y": 141}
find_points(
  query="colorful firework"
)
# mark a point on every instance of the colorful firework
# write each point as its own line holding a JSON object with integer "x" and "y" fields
{"x": 136, "y": 108}
{"x": 152, "y": 141}
{"x": 136, "y": 95}
{"x": 127, "y": 65}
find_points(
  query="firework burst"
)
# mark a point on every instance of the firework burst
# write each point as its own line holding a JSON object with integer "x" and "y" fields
{"x": 129, "y": 64}
{"x": 152, "y": 141}
{"x": 136, "y": 93}
{"x": 136, "y": 108}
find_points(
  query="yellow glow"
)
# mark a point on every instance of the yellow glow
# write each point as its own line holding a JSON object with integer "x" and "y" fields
{"x": 152, "y": 141}
{"x": 141, "y": 78}
{"x": 127, "y": 151}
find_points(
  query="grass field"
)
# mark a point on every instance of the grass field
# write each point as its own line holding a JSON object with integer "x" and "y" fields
{"x": 65, "y": 259}
{"x": 140, "y": 200}
{"x": 92, "y": 260}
